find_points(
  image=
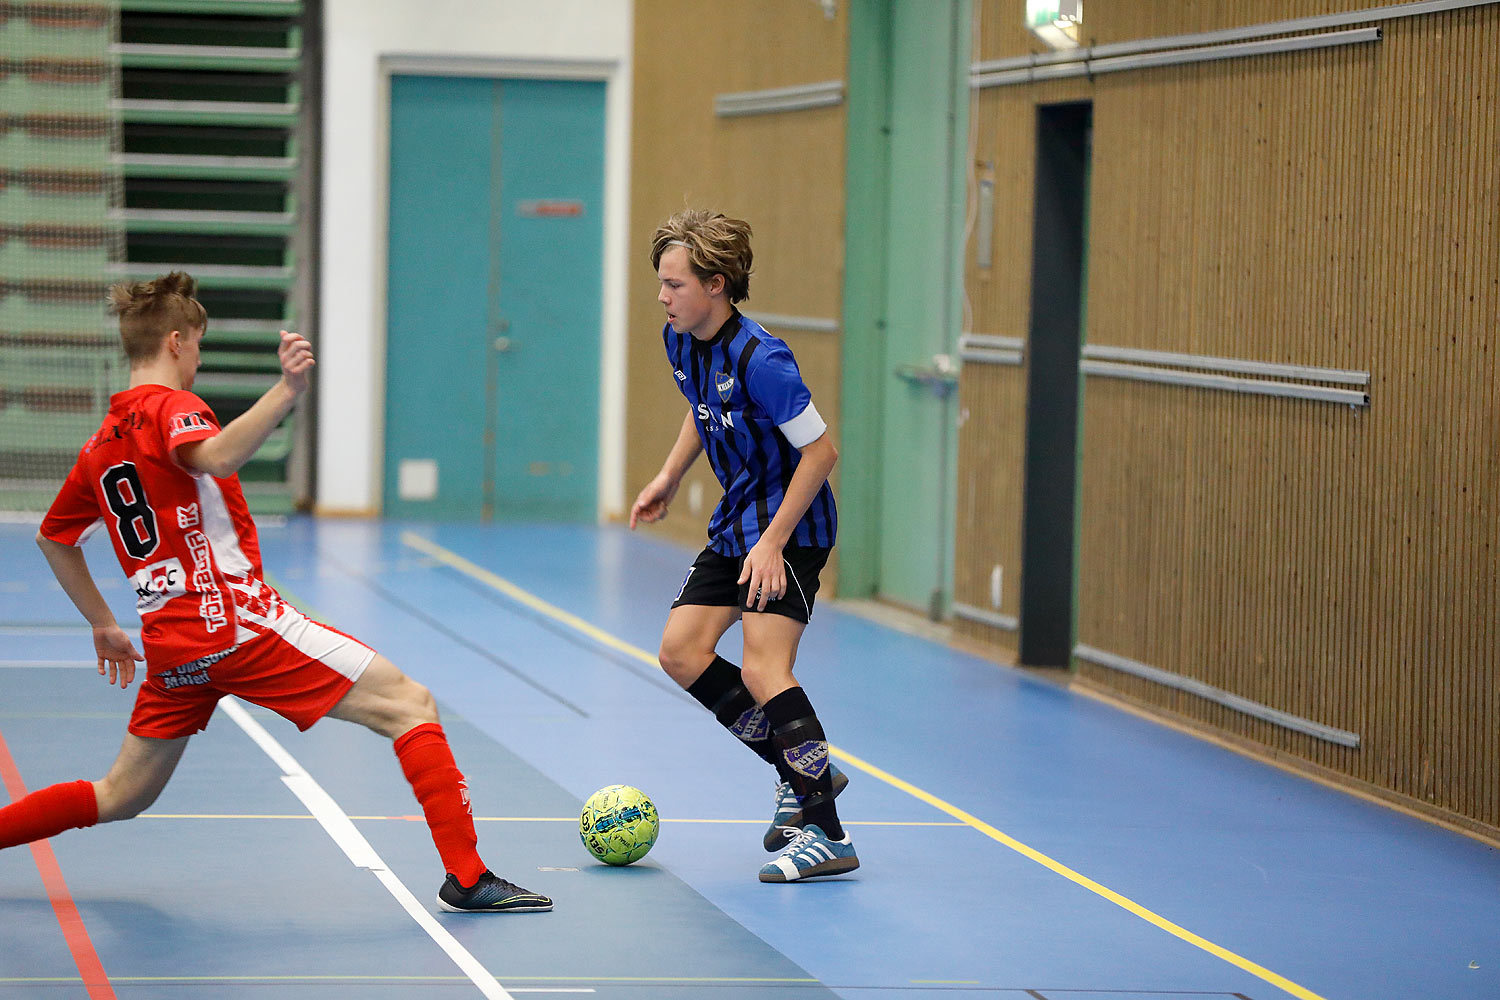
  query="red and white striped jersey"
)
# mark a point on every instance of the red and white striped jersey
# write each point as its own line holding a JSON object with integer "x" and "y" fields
{"x": 185, "y": 541}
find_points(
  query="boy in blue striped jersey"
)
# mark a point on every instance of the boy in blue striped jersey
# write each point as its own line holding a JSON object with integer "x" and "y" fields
{"x": 769, "y": 537}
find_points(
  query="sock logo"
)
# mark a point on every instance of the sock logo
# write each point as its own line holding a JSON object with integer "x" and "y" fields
{"x": 751, "y": 726}
{"x": 810, "y": 758}
{"x": 463, "y": 793}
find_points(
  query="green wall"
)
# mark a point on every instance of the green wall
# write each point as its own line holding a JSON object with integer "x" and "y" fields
{"x": 907, "y": 185}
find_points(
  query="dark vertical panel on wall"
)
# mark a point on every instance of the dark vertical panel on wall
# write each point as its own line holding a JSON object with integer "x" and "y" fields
{"x": 1058, "y": 244}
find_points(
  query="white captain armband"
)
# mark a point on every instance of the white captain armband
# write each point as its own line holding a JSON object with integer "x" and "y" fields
{"x": 803, "y": 429}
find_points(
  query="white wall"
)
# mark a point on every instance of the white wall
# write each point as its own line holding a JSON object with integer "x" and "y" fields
{"x": 524, "y": 35}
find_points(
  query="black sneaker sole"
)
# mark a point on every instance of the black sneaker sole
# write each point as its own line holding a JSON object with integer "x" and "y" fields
{"x": 833, "y": 866}
{"x": 528, "y": 907}
{"x": 775, "y": 840}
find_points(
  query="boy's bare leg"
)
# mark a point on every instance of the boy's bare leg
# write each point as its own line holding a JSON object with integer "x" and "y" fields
{"x": 387, "y": 701}
{"x": 139, "y": 773}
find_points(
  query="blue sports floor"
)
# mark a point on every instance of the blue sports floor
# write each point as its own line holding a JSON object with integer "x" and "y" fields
{"x": 1018, "y": 840}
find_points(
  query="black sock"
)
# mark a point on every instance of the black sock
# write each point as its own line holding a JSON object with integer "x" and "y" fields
{"x": 721, "y": 690}
{"x": 798, "y": 737}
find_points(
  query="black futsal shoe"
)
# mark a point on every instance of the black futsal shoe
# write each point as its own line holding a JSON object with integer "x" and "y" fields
{"x": 491, "y": 894}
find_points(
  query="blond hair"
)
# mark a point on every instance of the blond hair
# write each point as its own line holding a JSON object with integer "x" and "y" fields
{"x": 149, "y": 310}
{"x": 715, "y": 244}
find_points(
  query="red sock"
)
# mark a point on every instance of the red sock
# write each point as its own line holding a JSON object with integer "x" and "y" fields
{"x": 440, "y": 788}
{"x": 48, "y": 812}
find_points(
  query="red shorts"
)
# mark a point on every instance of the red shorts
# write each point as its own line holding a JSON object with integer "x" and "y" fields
{"x": 298, "y": 669}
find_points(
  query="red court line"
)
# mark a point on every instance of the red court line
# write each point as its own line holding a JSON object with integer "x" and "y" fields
{"x": 77, "y": 936}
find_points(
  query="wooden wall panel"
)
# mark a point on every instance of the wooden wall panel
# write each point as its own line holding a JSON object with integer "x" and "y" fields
{"x": 992, "y": 401}
{"x": 992, "y": 398}
{"x": 1332, "y": 208}
{"x": 783, "y": 172}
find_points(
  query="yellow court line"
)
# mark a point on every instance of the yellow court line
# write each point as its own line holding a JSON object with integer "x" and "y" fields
{"x": 533, "y": 602}
{"x": 531, "y": 819}
{"x": 503, "y": 585}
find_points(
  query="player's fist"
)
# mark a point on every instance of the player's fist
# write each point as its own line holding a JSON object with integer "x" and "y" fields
{"x": 297, "y": 359}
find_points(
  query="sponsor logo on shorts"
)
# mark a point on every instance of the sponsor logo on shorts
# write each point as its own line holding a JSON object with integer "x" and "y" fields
{"x": 157, "y": 584}
{"x": 751, "y": 726}
{"x": 810, "y": 758}
{"x": 182, "y": 423}
{"x": 680, "y": 377}
{"x": 194, "y": 673}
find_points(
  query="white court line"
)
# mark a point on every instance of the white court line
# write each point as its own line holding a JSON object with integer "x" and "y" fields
{"x": 57, "y": 664}
{"x": 51, "y": 630}
{"x": 352, "y": 843}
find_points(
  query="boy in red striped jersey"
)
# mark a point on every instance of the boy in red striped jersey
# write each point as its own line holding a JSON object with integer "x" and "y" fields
{"x": 160, "y": 474}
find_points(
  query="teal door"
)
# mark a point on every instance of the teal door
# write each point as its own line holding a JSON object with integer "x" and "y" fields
{"x": 903, "y": 298}
{"x": 494, "y": 298}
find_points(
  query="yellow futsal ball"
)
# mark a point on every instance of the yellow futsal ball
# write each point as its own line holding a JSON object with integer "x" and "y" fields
{"x": 619, "y": 824}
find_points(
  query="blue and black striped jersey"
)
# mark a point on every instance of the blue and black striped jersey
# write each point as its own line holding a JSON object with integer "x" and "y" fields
{"x": 753, "y": 414}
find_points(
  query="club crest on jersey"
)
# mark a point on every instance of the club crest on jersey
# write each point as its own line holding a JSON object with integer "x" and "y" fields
{"x": 184, "y": 422}
{"x": 157, "y": 584}
{"x": 810, "y": 758}
{"x": 724, "y": 382}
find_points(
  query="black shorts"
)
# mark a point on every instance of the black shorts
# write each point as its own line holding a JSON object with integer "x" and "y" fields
{"x": 713, "y": 581}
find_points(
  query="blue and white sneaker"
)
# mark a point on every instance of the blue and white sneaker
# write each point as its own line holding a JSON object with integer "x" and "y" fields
{"x": 809, "y": 855}
{"x": 788, "y": 815}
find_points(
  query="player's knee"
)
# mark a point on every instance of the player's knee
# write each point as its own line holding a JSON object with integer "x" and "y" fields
{"x": 761, "y": 676}
{"x": 421, "y": 702}
{"x": 680, "y": 660}
{"x": 407, "y": 698}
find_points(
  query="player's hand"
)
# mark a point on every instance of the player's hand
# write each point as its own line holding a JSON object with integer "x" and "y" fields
{"x": 296, "y": 357}
{"x": 765, "y": 571}
{"x": 116, "y": 651}
{"x": 651, "y": 505}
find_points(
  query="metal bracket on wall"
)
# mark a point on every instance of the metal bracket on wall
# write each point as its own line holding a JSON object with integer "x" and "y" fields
{"x": 781, "y": 321}
{"x": 1092, "y": 67}
{"x": 992, "y": 349}
{"x": 1007, "y": 623}
{"x": 761, "y": 102}
{"x": 1219, "y": 696}
{"x": 1205, "y": 372}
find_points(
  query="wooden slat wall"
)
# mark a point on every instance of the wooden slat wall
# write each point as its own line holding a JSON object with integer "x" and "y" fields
{"x": 1334, "y": 208}
{"x": 783, "y": 172}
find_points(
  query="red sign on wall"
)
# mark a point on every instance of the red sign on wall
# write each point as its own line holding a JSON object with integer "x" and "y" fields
{"x": 549, "y": 208}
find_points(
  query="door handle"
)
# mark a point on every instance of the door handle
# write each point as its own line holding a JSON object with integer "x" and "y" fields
{"x": 941, "y": 378}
